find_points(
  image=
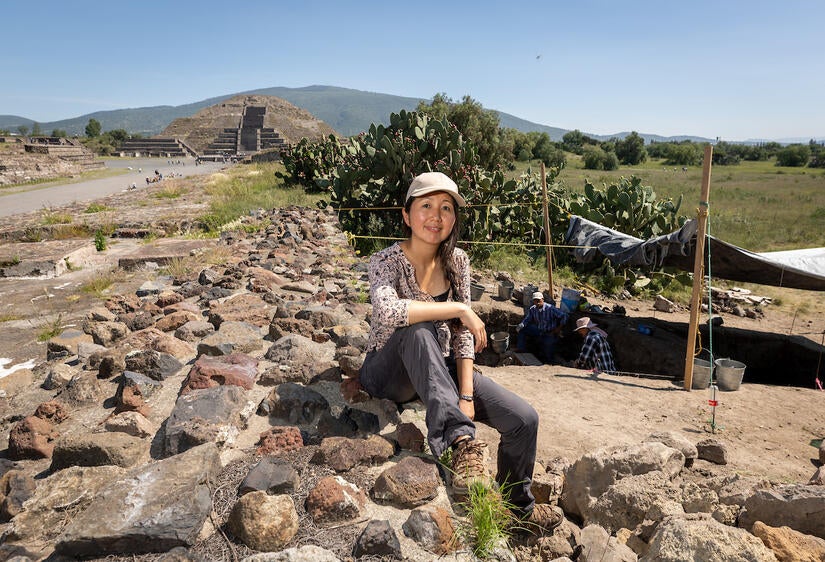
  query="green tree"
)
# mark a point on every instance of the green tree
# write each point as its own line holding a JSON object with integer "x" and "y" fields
{"x": 36, "y": 131}
{"x": 118, "y": 135}
{"x": 543, "y": 147}
{"x": 726, "y": 154}
{"x": 793, "y": 155}
{"x": 596, "y": 158}
{"x": 523, "y": 144}
{"x": 574, "y": 141}
{"x": 631, "y": 149}
{"x": 23, "y": 130}
{"x": 93, "y": 128}
{"x": 658, "y": 149}
{"x": 548, "y": 152}
{"x": 438, "y": 109}
{"x": 477, "y": 125}
{"x": 59, "y": 133}
{"x": 683, "y": 154}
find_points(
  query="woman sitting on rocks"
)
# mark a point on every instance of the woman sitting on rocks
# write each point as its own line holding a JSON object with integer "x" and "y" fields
{"x": 423, "y": 340}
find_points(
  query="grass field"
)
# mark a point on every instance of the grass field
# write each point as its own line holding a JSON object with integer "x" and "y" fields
{"x": 754, "y": 205}
{"x": 241, "y": 188}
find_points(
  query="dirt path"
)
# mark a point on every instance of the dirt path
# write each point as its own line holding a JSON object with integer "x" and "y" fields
{"x": 53, "y": 195}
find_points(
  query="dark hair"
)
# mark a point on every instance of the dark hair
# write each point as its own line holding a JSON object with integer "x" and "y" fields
{"x": 445, "y": 249}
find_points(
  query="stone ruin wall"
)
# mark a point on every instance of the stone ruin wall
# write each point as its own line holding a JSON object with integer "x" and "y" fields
{"x": 37, "y": 161}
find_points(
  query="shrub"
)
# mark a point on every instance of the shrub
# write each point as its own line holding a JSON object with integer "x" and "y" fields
{"x": 595, "y": 158}
{"x": 795, "y": 155}
{"x": 100, "y": 241}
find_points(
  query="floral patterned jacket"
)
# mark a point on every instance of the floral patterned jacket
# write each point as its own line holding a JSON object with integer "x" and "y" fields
{"x": 393, "y": 286}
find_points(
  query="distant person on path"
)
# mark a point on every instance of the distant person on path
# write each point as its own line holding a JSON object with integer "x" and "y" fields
{"x": 595, "y": 353}
{"x": 540, "y": 330}
{"x": 422, "y": 342}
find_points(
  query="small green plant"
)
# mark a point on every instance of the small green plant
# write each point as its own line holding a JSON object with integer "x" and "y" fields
{"x": 177, "y": 267}
{"x": 32, "y": 234}
{"x": 9, "y": 316}
{"x": 257, "y": 226}
{"x": 100, "y": 241}
{"x": 95, "y": 208}
{"x": 52, "y": 328}
{"x": 363, "y": 296}
{"x": 171, "y": 192}
{"x": 98, "y": 285}
{"x": 57, "y": 218}
{"x": 446, "y": 458}
{"x": 150, "y": 237}
{"x": 14, "y": 260}
{"x": 70, "y": 266}
{"x": 69, "y": 231}
{"x": 489, "y": 518}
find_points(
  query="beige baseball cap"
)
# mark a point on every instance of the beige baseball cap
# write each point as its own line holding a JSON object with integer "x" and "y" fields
{"x": 430, "y": 182}
{"x": 538, "y": 295}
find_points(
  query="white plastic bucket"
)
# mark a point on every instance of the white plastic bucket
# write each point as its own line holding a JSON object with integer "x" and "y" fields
{"x": 701, "y": 374}
{"x": 729, "y": 374}
{"x": 569, "y": 300}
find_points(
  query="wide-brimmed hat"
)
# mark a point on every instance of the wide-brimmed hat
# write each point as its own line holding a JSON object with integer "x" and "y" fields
{"x": 584, "y": 322}
{"x": 538, "y": 295}
{"x": 430, "y": 182}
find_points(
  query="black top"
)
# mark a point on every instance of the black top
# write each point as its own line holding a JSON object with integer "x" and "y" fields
{"x": 442, "y": 297}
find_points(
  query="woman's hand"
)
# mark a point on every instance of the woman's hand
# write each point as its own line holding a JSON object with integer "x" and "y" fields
{"x": 476, "y": 327}
{"x": 467, "y": 408}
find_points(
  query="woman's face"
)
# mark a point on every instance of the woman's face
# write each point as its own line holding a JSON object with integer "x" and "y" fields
{"x": 431, "y": 217}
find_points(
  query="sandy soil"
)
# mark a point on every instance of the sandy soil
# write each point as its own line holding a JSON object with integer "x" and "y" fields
{"x": 767, "y": 430}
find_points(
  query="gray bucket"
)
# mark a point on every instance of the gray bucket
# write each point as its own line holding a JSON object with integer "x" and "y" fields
{"x": 701, "y": 374}
{"x": 499, "y": 341}
{"x": 729, "y": 374}
{"x": 527, "y": 294}
{"x": 505, "y": 290}
{"x": 476, "y": 290}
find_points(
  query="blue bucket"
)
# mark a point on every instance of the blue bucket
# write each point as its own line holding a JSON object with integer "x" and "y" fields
{"x": 569, "y": 300}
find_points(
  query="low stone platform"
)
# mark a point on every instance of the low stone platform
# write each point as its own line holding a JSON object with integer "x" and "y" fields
{"x": 43, "y": 259}
{"x": 54, "y": 258}
{"x": 527, "y": 359}
{"x": 163, "y": 251}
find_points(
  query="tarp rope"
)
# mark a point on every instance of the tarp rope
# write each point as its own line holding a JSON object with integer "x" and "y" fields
{"x": 352, "y": 237}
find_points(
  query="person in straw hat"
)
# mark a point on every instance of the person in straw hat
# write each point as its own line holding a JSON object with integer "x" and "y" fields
{"x": 595, "y": 353}
{"x": 423, "y": 340}
{"x": 541, "y": 325}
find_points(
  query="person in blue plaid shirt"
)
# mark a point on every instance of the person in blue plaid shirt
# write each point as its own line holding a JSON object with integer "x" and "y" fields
{"x": 542, "y": 324}
{"x": 595, "y": 353}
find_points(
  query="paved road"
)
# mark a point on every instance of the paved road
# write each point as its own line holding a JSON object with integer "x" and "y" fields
{"x": 14, "y": 201}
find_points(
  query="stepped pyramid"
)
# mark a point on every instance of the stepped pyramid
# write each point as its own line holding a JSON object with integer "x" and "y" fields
{"x": 245, "y": 124}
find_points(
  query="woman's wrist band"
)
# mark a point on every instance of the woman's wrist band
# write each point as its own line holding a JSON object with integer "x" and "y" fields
{"x": 467, "y": 397}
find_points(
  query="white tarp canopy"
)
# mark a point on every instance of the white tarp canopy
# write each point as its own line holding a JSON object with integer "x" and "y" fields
{"x": 798, "y": 269}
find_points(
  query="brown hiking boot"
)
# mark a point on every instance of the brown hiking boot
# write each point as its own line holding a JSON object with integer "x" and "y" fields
{"x": 543, "y": 518}
{"x": 468, "y": 465}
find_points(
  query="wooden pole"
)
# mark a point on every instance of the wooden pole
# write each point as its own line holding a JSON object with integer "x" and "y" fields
{"x": 698, "y": 278}
{"x": 547, "y": 238}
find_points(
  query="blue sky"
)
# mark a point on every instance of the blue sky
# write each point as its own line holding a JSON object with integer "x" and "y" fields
{"x": 731, "y": 69}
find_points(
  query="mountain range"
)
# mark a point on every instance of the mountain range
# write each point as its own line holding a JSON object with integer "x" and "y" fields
{"x": 348, "y": 111}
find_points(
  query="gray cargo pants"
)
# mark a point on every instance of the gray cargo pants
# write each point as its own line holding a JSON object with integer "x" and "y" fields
{"x": 411, "y": 364}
